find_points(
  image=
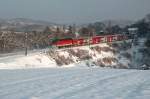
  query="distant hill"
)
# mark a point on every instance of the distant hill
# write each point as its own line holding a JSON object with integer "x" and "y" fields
{"x": 106, "y": 23}
{"x": 25, "y": 24}
{"x": 22, "y": 24}
{"x": 24, "y": 21}
{"x": 121, "y": 23}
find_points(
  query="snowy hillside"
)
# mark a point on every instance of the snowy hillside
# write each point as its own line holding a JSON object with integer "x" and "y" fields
{"x": 101, "y": 55}
{"x": 74, "y": 83}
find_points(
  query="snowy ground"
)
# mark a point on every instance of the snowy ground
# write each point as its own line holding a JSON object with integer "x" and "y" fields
{"x": 74, "y": 83}
{"x": 34, "y": 59}
{"x": 18, "y": 79}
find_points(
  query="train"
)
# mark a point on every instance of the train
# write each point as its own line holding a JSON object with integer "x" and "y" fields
{"x": 73, "y": 42}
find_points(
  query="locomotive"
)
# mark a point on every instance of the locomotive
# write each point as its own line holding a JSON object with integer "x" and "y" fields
{"x": 70, "y": 42}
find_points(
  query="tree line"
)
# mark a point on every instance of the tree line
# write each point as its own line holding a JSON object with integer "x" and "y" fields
{"x": 16, "y": 41}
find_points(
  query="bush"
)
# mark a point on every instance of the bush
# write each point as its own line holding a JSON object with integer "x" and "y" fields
{"x": 99, "y": 63}
{"x": 147, "y": 43}
{"x": 124, "y": 46}
{"x": 81, "y": 54}
{"x": 97, "y": 48}
{"x": 61, "y": 60}
{"x": 127, "y": 55}
{"x": 121, "y": 66}
{"x": 58, "y": 62}
{"x": 115, "y": 45}
{"x": 109, "y": 60}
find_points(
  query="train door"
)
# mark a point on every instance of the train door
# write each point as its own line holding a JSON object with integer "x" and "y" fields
{"x": 110, "y": 38}
{"x": 114, "y": 38}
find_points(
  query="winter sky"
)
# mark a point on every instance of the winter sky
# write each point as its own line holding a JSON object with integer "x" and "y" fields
{"x": 78, "y": 11}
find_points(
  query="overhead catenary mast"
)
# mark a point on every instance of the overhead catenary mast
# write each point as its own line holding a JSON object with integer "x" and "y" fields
{"x": 26, "y": 44}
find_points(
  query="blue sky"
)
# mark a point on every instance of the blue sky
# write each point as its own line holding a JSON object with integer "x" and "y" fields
{"x": 74, "y": 11}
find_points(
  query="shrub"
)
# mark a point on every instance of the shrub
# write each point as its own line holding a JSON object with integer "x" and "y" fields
{"x": 115, "y": 45}
{"x": 96, "y": 48}
{"x": 99, "y": 63}
{"x": 109, "y": 60}
{"x": 58, "y": 62}
{"x": 127, "y": 55}
{"x": 61, "y": 60}
{"x": 81, "y": 54}
{"x": 147, "y": 43}
{"x": 121, "y": 66}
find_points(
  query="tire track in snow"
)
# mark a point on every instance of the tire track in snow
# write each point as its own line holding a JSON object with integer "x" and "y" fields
{"x": 36, "y": 78}
{"x": 64, "y": 80}
{"x": 137, "y": 89}
{"x": 119, "y": 88}
{"x": 32, "y": 80}
{"x": 79, "y": 87}
{"x": 10, "y": 91}
{"x": 71, "y": 73}
{"x": 71, "y": 82}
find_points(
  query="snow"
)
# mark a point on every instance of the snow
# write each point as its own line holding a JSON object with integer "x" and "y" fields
{"x": 39, "y": 59}
{"x": 37, "y": 76}
{"x": 74, "y": 83}
{"x": 35, "y": 60}
{"x": 66, "y": 54}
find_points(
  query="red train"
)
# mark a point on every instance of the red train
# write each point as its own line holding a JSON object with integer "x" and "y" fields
{"x": 89, "y": 40}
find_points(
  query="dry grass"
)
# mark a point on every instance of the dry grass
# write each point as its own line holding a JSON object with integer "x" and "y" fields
{"x": 96, "y": 48}
{"x": 121, "y": 66}
{"x": 99, "y": 63}
{"x": 109, "y": 60}
{"x": 104, "y": 49}
{"x": 62, "y": 60}
{"x": 81, "y": 54}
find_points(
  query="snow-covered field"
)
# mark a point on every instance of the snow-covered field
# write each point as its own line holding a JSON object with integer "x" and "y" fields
{"x": 74, "y": 83}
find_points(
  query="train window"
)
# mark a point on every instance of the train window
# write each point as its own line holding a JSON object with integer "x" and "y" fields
{"x": 120, "y": 37}
{"x": 114, "y": 38}
{"x": 103, "y": 39}
{"x": 109, "y": 38}
{"x": 95, "y": 40}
